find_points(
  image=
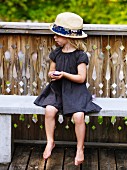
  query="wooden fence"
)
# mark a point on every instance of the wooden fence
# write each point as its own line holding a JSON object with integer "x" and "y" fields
{"x": 24, "y": 64}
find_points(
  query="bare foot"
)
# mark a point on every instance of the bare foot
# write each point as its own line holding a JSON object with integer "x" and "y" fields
{"x": 48, "y": 150}
{"x": 79, "y": 157}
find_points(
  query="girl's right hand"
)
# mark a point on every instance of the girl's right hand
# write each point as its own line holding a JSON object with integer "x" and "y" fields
{"x": 55, "y": 75}
{"x": 50, "y": 73}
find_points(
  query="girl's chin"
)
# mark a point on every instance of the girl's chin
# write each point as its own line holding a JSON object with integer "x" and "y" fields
{"x": 58, "y": 44}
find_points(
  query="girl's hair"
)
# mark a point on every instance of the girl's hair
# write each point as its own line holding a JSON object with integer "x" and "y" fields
{"x": 79, "y": 44}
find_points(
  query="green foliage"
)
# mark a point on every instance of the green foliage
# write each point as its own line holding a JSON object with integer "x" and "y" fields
{"x": 119, "y": 128}
{"x": 100, "y": 119}
{"x": 22, "y": 117}
{"x": 113, "y": 119}
{"x": 125, "y": 120}
{"x": 15, "y": 125}
{"x": 93, "y": 11}
{"x": 93, "y": 127}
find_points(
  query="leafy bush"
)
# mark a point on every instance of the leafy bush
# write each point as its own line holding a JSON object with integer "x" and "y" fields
{"x": 93, "y": 12}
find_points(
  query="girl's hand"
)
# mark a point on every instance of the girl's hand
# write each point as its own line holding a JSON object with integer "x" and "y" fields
{"x": 55, "y": 75}
{"x": 50, "y": 73}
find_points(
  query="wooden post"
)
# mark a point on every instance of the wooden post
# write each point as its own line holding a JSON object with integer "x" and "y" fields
{"x": 5, "y": 138}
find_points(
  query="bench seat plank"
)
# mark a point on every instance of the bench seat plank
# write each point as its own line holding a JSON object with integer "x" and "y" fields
{"x": 16, "y": 104}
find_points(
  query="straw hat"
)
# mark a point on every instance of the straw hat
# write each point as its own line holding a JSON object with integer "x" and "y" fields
{"x": 68, "y": 24}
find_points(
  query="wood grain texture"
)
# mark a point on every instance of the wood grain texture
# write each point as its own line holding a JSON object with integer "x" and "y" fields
{"x": 36, "y": 160}
{"x": 29, "y": 157}
{"x": 20, "y": 158}
{"x": 56, "y": 159}
{"x": 91, "y": 159}
{"x": 121, "y": 159}
{"x": 107, "y": 159}
{"x": 69, "y": 159}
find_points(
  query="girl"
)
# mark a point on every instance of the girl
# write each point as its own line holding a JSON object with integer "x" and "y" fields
{"x": 67, "y": 90}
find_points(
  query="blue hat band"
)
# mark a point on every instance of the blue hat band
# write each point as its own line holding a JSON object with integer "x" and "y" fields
{"x": 66, "y": 31}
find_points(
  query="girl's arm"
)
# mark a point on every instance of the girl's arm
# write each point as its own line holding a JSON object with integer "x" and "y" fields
{"x": 78, "y": 78}
{"x": 52, "y": 68}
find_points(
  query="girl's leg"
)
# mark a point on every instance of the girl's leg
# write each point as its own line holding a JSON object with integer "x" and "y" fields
{"x": 80, "y": 134}
{"x": 50, "y": 114}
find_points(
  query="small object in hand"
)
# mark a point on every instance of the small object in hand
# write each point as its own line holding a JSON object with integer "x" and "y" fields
{"x": 56, "y": 73}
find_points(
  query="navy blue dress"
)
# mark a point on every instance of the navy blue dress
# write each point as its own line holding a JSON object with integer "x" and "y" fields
{"x": 67, "y": 96}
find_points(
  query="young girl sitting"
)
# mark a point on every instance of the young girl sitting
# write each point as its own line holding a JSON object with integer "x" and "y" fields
{"x": 67, "y": 92}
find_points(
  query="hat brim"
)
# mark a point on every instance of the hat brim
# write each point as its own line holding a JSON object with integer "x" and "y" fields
{"x": 68, "y": 36}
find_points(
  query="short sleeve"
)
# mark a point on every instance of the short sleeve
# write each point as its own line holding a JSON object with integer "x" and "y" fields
{"x": 83, "y": 58}
{"x": 52, "y": 56}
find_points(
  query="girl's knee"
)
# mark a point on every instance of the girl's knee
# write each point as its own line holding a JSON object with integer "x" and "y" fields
{"x": 50, "y": 111}
{"x": 78, "y": 117}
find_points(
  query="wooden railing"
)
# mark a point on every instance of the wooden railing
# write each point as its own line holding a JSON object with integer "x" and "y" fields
{"x": 24, "y": 64}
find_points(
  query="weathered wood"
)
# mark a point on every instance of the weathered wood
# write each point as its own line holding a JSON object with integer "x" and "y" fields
{"x": 91, "y": 159}
{"x": 17, "y": 132}
{"x": 21, "y": 157}
{"x": 56, "y": 159}
{"x": 122, "y": 133}
{"x": 107, "y": 159}
{"x": 114, "y": 131}
{"x": 29, "y": 157}
{"x": 24, "y": 25}
{"x": 36, "y": 160}
{"x": 21, "y": 31}
{"x": 121, "y": 159}
{"x": 72, "y": 143}
{"x": 103, "y": 130}
{"x": 69, "y": 159}
{"x": 91, "y": 29}
{"x": 4, "y": 166}
{"x": 65, "y": 129}
{"x": 105, "y": 88}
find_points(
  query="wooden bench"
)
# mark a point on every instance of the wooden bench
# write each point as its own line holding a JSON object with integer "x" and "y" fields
{"x": 15, "y": 104}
